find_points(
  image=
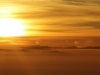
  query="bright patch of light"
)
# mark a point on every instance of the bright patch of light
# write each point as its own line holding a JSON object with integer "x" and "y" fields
{"x": 11, "y": 27}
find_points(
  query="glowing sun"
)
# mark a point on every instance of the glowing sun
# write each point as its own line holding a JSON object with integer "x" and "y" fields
{"x": 11, "y": 27}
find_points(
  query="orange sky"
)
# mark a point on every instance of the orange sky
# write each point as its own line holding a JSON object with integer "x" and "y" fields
{"x": 56, "y": 17}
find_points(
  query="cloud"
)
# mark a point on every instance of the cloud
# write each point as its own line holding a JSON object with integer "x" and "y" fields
{"x": 67, "y": 11}
{"x": 49, "y": 30}
{"x": 60, "y": 13}
{"x": 59, "y": 16}
{"x": 91, "y": 24}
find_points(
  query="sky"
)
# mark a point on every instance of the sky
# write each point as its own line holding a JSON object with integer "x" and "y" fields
{"x": 60, "y": 22}
{"x": 57, "y": 17}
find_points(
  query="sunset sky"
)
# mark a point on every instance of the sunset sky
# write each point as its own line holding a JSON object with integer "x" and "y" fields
{"x": 55, "y": 17}
{"x": 49, "y": 37}
{"x": 79, "y": 18}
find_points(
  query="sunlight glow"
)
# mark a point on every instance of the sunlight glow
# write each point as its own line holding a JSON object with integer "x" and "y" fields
{"x": 11, "y": 27}
{"x": 6, "y": 11}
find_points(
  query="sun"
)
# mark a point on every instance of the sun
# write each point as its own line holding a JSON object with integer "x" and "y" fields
{"x": 11, "y": 27}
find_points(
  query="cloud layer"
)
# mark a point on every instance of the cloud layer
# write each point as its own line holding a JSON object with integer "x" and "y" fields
{"x": 59, "y": 17}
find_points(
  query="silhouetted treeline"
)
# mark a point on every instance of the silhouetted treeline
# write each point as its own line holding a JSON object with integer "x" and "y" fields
{"x": 92, "y": 47}
{"x": 79, "y": 47}
{"x": 38, "y": 47}
{"x": 69, "y": 47}
{"x": 87, "y": 47}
